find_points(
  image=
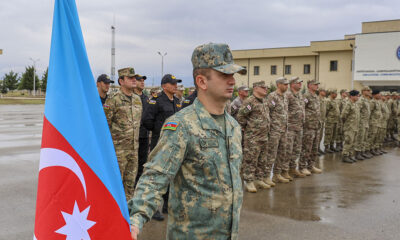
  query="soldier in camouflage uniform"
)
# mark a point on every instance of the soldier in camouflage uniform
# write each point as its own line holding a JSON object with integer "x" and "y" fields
{"x": 350, "y": 117}
{"x": 312, "y": 124}
{"x": 365, "y": 113}
{"x": 322, "y": 107}
{"x": 332, "y": 120}
{"x": 295, "y": 125}
{"x": 199, "y": 154}
{"x": 278, "y": 112}
{"x": 123, "y": 112}
{"x": 243, "y": 93}
{"x": 253, "y": 116}
{"x": 392, "y": 105}
{"x": 382, "y": 130}
{"x": 339, "y": 130}
{"x": 374, "y": 123}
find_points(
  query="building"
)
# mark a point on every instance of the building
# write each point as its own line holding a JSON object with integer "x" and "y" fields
{"x": 374, "y": 53}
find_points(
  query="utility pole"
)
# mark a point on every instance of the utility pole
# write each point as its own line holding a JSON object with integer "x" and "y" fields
{"x": 34, "y": 70}
{"x": 113, "y": 50}
{"x": 162, "y": 62}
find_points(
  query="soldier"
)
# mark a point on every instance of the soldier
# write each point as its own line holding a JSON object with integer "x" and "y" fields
{"x": 382, "y": 130}
{"x": 339, "y": 131}
{"x": 179, "y": 94}
{"x": 374, "y": 123}
{"x": 295, "y": 125}
{"x": 189, "y": 100}
{"x": 123, "y": 112}
{"x": 278, "y": 112}
{"x": 322, "y": 107}
{"x": 312, "y": 124}
{"x": 350, "y": 117}
{"x": 153, "y": 93}
{"x": 243, "y": 93}
{"x": 365, "y": 113}
{"x": 200, "y": 154}
{"x": 392, "y": 105}
{"x": 332, "y": 120}
{"x": 103, "y": 85}
{"x": 253, "y": 116}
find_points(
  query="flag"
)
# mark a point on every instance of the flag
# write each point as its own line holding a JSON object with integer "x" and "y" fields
{"x": 80, "y": 193}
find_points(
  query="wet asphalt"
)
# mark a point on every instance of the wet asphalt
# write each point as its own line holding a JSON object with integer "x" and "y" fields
{"x": 347, "y": 201}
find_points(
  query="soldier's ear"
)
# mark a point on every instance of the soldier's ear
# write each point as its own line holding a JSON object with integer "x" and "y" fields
{"x": 201, "y": 82}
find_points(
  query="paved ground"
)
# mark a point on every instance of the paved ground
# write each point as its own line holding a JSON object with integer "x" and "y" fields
{"x": 357, "y": 201}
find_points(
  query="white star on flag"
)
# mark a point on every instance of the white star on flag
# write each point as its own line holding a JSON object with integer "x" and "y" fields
{"x": 76, "y": 225}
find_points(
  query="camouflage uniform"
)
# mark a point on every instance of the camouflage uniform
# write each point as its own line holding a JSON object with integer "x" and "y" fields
{"x": 312, "y": 124}
{"x": 235, "y": 105}
{"x": 350, "y": 117}
{"x": 296, "y": 117}
{"x": 201, "y": 162}
{"x": 123, "y": 115}
{"x": 332, "y": 121}
{"x": 382, "y": 130}
{"x": 374, "y": 122}
{"x": 392, "y": 105}
{"x": 253, "y": 116}
{"x": 322, "y": 107}
{"x": 365, "y": 112}
{"x": 339, "y": 130}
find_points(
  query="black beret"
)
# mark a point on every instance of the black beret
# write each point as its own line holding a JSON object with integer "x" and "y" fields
{"x": 375, "y": 92}
{"x": 354, "y": 93}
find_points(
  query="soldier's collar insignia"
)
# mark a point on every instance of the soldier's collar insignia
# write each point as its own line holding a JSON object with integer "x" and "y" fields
{"x": 171, "y": 125}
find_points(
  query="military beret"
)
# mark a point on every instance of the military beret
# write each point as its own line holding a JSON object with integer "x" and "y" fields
{"x": 243, "y": 88}
{"x": 295, "y": 80}
{"x": 313, "y": 81}
{"x": 282, "y": 80}
{"x": 375, "y": 92}
{"x": 259, "y": 84}
{"x": 354, "y": 93}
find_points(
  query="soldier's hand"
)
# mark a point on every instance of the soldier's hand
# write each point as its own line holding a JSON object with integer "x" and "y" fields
{"x": 134, "y": 232}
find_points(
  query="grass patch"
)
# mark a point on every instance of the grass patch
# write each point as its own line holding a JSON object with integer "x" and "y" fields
{"x": 5, "y": 101}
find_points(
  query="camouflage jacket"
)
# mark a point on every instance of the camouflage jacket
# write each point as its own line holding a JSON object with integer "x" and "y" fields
{"x": 322, "y": 108}
{"x": 123, "y": 116}
{"x": 296, "y": 112}
{"x": 253, "y": 116}
{"x": 201, "y": 163}
{"x": 332, "y": 111}
{"x": 350, "y": 116}
{"x": 313, "y": 114}
{"x": 235, "y": 105}
{"x": 392, "y": 105}
{"x": 278, "y": 111}
{"x": 341, "y": 103}
{"x": 365, "y": 111}
{"x": 376, "y": 113}
{"x": 385, "y": 114}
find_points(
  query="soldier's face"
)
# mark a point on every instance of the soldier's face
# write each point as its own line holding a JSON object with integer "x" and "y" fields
{"x": 262, "y": 91}
{"x": 313, "y": 87}
{"x": 282, "y": 87}
{"x": 128, "y": 83}
{"x": 296, "y": 86}
{"x": 103, "y": 87}
{"x": 170, "y": 88}
{"x": 219, "y": 85}
{"x": 322, "y": 93}
{"x": 334, "y": 95}
{"x": 140, "y": 84}
{"x": 243, "y": 93}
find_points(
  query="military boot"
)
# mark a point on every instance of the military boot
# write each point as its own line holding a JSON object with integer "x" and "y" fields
{"x": 328, "y": 149}
{"x": 335, "y": 148}
{"x": 374, "y": 152}
{"x": 346, "y": 159}
{"x": 383, "y": 151}
{"x": 340, "y": 148}
{"x": 352, "y": 158}
{"x": 279, "y": 179}
{"x": 359, "y": 156}
{"x": 268, "y": 181}
{"x": 315, "y": 170}
{"x": 295, "y": 173}
{"x": 250, "y": 187}
{"x": 365, "y": 155}
{"x": 286, "y": 175}
{"x": 261, "y": 184}
{"x": 305, "y": 171}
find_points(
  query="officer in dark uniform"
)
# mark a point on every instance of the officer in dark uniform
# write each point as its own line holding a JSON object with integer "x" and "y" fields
{"x": 103, "y": 85}
{"x": 189, "y": 100}
{"x": 159, "y": 109}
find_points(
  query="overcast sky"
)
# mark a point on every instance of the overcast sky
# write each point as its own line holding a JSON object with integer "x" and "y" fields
{"x": 144, "y": 27}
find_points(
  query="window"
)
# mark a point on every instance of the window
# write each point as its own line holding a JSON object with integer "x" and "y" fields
{"x": 307, "y": 68}
{"x": 288, "y": 69}
{"x": 333, "y": 66}
{"x": 273, "y": 70}
{"x": 256, "y": 70}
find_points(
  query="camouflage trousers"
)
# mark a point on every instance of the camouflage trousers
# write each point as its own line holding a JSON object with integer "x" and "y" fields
{"x": 381, "y": 136}
{"x": 254, "y": 165}
{"x": 348, "y": 145}
{"x": 372, "y": 137}
{"x": 309, "y": 152}
{"x": 339, "y": 133}
{"x": 391, "y": 128}
{"x": 330, "y": 133}
{"x": 128, "y": 166}
{"x": 293, "y": 147}
{"x": 361, "y": 138}
{"x": 277, "y": 152}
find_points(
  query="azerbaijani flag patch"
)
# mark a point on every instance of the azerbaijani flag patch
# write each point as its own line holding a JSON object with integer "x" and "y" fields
{"x": 170, "y": 126}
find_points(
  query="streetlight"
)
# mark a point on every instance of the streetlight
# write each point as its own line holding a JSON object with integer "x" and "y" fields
{"x": 34, "y": 69}
{"x": 162, "y": 62}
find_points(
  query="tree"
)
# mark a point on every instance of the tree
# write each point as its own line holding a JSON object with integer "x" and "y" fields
{"x": 10, "y": 81}
{"x": 43, "y": 85}
{"x": 27, "y": 80}
{"x": 3, "y": 89}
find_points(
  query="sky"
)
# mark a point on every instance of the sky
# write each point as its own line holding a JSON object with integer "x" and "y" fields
{"x": 145, "y": 27}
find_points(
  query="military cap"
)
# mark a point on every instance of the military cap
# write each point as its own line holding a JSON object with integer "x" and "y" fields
{"x": 127, "y": 72}
{"x": 343, "y": 91}
{"x": 153, "y": 90}
{"x": 383, "y": 93}
{"x": 282, "y": 80}
{"x": 259, "y": 84}
{"x": 395, "y": 94}
{"x": 313, "y": 81}
{"x": 243, "y": 88}
{"x": 217, "y": 56}
{"x": 104, "y": 78}
{"x": 354, "y": 93}
{"x": 181, "y": 88}
{"x": 321, "y": 89}
{"x": 366, "y": 88}
{"x": 332, "y": 91}
{"x": 169, "y": 78}
{"x": 140, "y": 77}
{"x": 295, "y": 80}
{"x": 374, "y": 92}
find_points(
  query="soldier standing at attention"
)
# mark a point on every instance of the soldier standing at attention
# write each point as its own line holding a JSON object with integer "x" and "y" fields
{"x": 179, "y": 94}
{"x": 199, "y": 154}
{"x": 103, "y": 85}
{"x": 350, "y": 118}
{"x": 365, "y": 112}
{"x": 253, "y": 116}
{"x": 322, "y": 107}
{"x": 278, "y": 112}
{"x": 374, "y": 123}
{"x": 123, "y": 112}
{"x": 339, "y": 131}
{"x": 382, "y": 130}
{"x": 312, "y": 124}
{"x": 392, "y": 105}
{"x": 332, "y": 120}
{"x": 243, "y": 93}
{"x": 295, "y": 125}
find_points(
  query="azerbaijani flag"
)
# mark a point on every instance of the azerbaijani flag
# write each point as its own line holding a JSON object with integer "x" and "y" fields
{"x": 80, "y": 193}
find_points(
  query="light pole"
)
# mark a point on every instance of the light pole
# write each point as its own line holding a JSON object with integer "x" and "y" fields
{"x": 34, "y": 69}
{"x": 162, "y": 62}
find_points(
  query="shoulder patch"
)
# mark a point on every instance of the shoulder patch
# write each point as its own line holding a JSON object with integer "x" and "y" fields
{"x": 170, "y": 126}
{"x": 187, "y": 101}
{"x": 152, "y": 102}
{"x": 105, "y": 106}
{"x": 179, "y": 105}
{"x": 249, "y": 107}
